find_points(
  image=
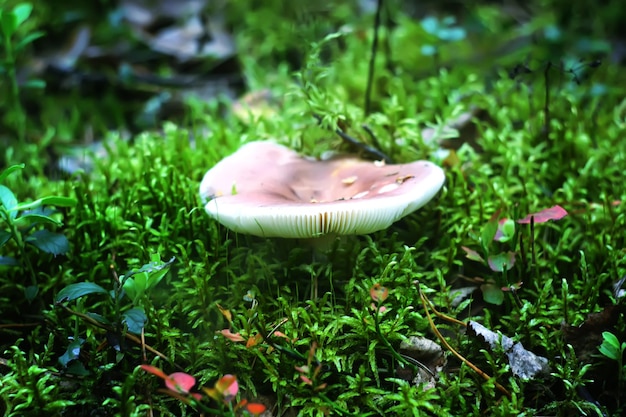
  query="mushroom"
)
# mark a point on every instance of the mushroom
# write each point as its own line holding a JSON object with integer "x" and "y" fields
{"x": 268, "y": 190}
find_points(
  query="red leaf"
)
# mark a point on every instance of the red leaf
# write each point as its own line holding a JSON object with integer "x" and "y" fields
{"x": 233, "y": 337}
{"x": 553, "y": 213}
{"x": 154, "y": 371}
{"x": 255, "y": 408}
{"x": 304, "y": 369}
{"x": 180, "y": 382}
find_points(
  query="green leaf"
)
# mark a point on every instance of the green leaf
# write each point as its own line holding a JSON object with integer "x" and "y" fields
{"x": 31, "y": 292}
{"x": 74, "y": 291}
{"x": 21, "y": 12}
{"x": 74, "y": 368}
{"x": 608, "y": 351}
{"x": 489, "y": 232}
{"x": 99, "y": 318}
{"x": 34, "y": 218}
{"x": 47, "y": 201}
{"x": 46, "y": 241}
{"x": 610, "y": 339}
{"x": 471, "y": 254}
{"x": 610, "y": 346}
{"x": 492, "y": 294}
{"x": 30, "y": 38}
{"x": 135, "y": 287}
{"x": 72, "y": 352}
{"x": 137, "y": 282}
{"x": 35, "y": 84}
{"x": 506, "y": 230}
{"x": 156, "y": 264}
{"x": 502, "y": 261}
{"x": 4, "y": 237}
{"x": 135, "y": 319}
{"x": 9, "y": 170}
{"x": 8, "y": 200}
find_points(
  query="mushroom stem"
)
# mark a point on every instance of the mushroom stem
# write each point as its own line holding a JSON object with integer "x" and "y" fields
{"x": 321, "y": 244}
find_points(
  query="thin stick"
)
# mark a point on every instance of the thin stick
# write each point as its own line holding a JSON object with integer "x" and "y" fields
{"x": 370, "y": 74}
{"x": 373, "y": 152}
{"x": 127, "y": 335}
{"x": 454, "y": 352}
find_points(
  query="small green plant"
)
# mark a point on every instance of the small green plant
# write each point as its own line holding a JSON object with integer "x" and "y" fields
{"x": 126, "y": 316}
{"x": 572, "y": 373}
{"x": 28, "y": 389}
{"x": 25, "y": 225}
{"x": 612, "y": 349}
{"x": 504, "y": 231}
{"x": 14, "y": 42}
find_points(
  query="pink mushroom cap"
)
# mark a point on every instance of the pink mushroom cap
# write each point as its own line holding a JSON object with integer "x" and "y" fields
{"x": 265, "y": 189}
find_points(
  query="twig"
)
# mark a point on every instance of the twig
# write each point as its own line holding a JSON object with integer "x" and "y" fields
{"x": 370, "y": 74}
{"x": 454, "y": 352}
{"x": 127, "y": 335}
{"x": 378, "y": 155}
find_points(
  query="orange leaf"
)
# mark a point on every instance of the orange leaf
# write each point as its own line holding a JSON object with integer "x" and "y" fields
{"x": 254, "y": 340}
{"x": 226, "y": 313}
{"x": 154, "y": 371}
{"x": 228, "y": 387}
{"x": 378, "y": 292}
{"x": 212, "y": 392}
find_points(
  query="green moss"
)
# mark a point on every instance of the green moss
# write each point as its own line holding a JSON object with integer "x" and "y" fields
{"x": 142, "y": 198}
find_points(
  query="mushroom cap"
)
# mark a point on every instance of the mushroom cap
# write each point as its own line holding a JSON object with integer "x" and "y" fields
{"x": 268, "y": 190}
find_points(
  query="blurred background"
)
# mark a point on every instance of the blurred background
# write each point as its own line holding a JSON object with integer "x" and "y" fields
{"x": 71, "y": 73}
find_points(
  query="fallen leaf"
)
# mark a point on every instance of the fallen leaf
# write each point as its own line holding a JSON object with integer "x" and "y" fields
{"x": 429, "y": 354}
{"x": 523, "y": 363}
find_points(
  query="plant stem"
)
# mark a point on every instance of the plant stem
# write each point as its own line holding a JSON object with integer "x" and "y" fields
{"x": 15, "y": 101}
{"x": 394, "y": 353}
{"x": 372, "y": 65}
